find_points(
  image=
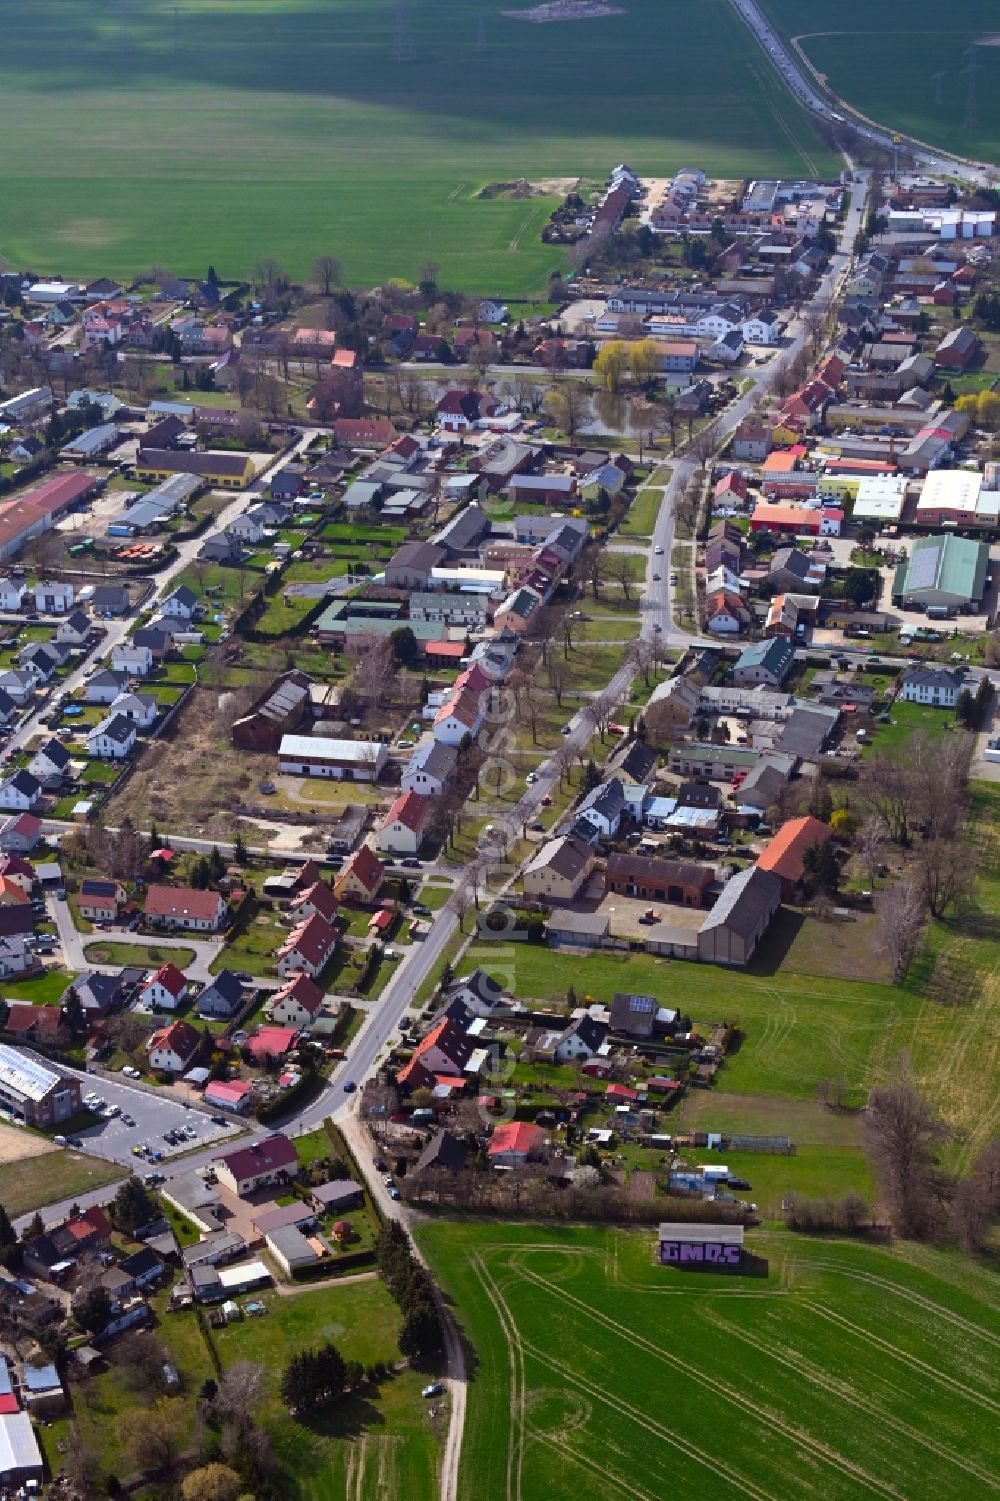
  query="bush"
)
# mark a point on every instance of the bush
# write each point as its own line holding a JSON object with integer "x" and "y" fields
{"x": 850, "y": 1214}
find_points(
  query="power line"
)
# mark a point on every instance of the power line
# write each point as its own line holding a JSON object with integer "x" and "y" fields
{"x": 936, "y": 80}
{"x": 481, "y": 33}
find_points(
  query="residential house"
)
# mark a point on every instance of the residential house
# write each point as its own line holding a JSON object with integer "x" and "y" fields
{"x": 405, "y": 825}
{"x": 20, "y": 792}
{"x": 222, "y": 997}
{"x": 443, "y": 1052}
{"x": 513, "y": 1143}
{"x": 135, "y": 661}
{"x": 264, "y": 1164}
{"x": 234, "y": 1095}
{"x": 672, "y": 706}
{"x": 939, "y": 686}
{"x": 140, "y": 708}
{"x": 20, "y": 834}
{"x": 164, "y": 990}
{"x": 957, "y": 350}
{"x": 308, "y": 948}
{"x": 113, "y": 739}
{"x": 12, "y": 594}
{"x": 791, "y": 569}
{"x": 361, "y": 878}
{"x": 315, "y": 900}
{"x": 173, "y": 1049}
{"x": 430, "y": 770}
{"x": 100, "y": 899}
{"x": 751, "y": 442}
{"x": 16, "y": 871}
{"x": 768, "y": 661}
{"x": 181, "y": 604}
{"x": 604, "y": 809}
{"x": 581, "y": 1040}
{"x": 727, "y": 613}
{"x": 74, "y": 630}
{"x": 104, "y": 686}
{"x": 184, "y": 907}
{"x": 53, "y": 597}
{"x": 476, "y": 994}
{"x": 297, "y": 1003}
{"x": 50, "y": 763}
{"x": 559, "y": 870}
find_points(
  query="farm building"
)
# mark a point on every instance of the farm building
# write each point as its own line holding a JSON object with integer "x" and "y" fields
{"x": 322, "y": 756}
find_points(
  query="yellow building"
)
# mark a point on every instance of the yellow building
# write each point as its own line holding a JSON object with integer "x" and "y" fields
{"x": 224, "y": 471}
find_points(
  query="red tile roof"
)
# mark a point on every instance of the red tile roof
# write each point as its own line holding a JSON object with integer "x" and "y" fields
{"x": 785, "y": 855}
{"x": 410, "y": 810}
{"x": 313, "y": 939}
{"x": 182, "y": 901}
{"x": 171, "y": 978}
{"x": 366, "y": 866}
{"x": 264, "y": 1156}
{"x": 275, "y": 1041}
{"x": 320, "y": 896}
{"x": 302, "y": 990}
{"x": 515, "y": 1136}
{"x": 180, "y": 1037}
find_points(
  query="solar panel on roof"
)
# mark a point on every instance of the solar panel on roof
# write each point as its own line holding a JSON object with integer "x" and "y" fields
{"x": 642, "y": 1004}
{"x": 923, "y": 567}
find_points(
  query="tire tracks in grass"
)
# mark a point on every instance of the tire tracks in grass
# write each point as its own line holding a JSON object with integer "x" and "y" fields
{"x": 909, "y": 1296}
{"x": 903, "y": 1356}
{"x": 801, "y": 1366}
{"x": 515, "y": 1436}
{"x": 618, "y": 1485}
{"x": 772, "y": 1419}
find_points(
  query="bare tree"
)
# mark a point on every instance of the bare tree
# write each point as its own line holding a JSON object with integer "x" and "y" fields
{"x": 870, "y": 845}
{"x": 904, "y": 1133}
{"x": 687, "y": 506}
{"x": 559, "y": 674}
{"x": 617, "y": 569}
{"x": 886, "y": 788}
{"x": 269, "y": 272}
{"x": 901, "y": 910}
{"x": 562, "y": 761}
{"x": 525, "y": 690}
{"x": 703, "y": 445}
{"x": 157, "y": 1443}
{"x": 568, "y": 404}
{"x": 375, "y": 675}
{"x": 327, "y": 273}
{"x": 945, "y": 870}
{"x": 977, "y": 1199}
{"x": 643, "y": 655}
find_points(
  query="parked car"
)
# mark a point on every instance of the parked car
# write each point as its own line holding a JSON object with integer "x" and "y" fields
{"x": 435, "y": 1389}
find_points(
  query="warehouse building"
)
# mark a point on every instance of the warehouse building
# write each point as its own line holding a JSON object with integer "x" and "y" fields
{"x": 20, "y": 1457}
{"x": 322, "y": 756}
{"x": 33, "y": 1091}
{"x": 942, "y": 575}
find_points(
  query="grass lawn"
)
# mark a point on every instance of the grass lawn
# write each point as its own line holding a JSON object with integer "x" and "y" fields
{"x": 385, "y": 1439}
{"x": 57, "y": 1175}
{"x": 348, "y": 152}
{"x": 808, "y": 1368}
{"x": 643, "y": 513}
{"x": 151, "y": 954}
{"x": 253, "y": 950}
{"x": 906, "y": 720}
{"x": 44, "y": 990}
{"x": 433, "y": 897}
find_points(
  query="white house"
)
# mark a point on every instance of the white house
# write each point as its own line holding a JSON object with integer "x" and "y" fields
{"x": 403, "y": 830}
{"x": 830, "y": 521}
{"x": 20, "y": 792}
{"x": 605, "y": 807}
{"x": 459, "y": 717}
{"x": 140, "y": 708}
{"x": 137, "y": 661}
{"x": 50, "y": 761}
{"x": 164, "y": 990}
{"x": 764, "y": 327}
{"x": 492, "y": 312}
{"x": 172, "y": 1049}
{"x": 580, "y": 1040}
{"x": 74, "y": 630}
{"x": 53, "y": 598}
{"x": 12, "y": 594}
{"x": 18, "y": 685}
{"x": 182, "y": 604}
{"x": 248, "y": 527}
{"x": 431, "y": 769}
{"x": 105, "y": 686}
{"x": 938, "y": 686}
{"x": 112, "y": 739}
{"x": 297, "y": 1003}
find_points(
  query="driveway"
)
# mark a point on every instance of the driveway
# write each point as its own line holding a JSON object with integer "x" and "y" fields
{"x": 72, "y": 942}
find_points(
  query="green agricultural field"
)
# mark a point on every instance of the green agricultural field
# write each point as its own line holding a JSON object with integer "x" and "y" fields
{"x": 884, "y": 62}
{"x": 269, "y": 128}
{"x": 839, "y": 1371}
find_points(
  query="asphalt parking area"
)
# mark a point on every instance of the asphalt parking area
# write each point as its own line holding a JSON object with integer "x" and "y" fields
{"x": 153, "y": 1117}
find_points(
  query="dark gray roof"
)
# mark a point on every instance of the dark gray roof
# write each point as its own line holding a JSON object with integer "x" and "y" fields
{"x": 445, "y": 1151}
{"x": 744, "y": 901}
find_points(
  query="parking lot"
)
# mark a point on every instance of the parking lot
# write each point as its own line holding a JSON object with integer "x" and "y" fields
{"x": 153, "y": 1117}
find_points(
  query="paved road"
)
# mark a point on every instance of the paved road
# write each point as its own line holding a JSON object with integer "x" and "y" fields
{"x": 73, "y": 942}
{"x": 187, "y": 551}
{"x": 802, "y": 84}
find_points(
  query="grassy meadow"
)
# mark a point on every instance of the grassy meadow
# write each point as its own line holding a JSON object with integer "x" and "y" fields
{"x": 248, "y": 128}
{"x": 840, "y": 1371}
{"x": 883, "y": 62}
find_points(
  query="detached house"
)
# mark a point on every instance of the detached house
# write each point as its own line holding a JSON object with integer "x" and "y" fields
{"x": 317, "y": 900}
{"x": 403, "y": 830}
{"x": 431, "y": 769}
{"x": 173, "y": 1049}
{"x": 165, "y": 990}
{"x": 767, "y": 662}
{"x": 222, "y": 998}
{"x": 50, "y": 763}
{"x": 135, "y": 661}
{"x": 182, "y": 604}
{"x": 100, "y": 900}
{"x": 74, "y": 630}
{"x": 184, "y": 907}
{"x": 20, "y": 792}
{"x": 113, "y": 739}
{"x": 938, "y": 686}
{"x": 559, "y": 871}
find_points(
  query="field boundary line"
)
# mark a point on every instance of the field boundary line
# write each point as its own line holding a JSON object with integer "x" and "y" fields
{"x": 937, "y": 1309}
{"x": 515, "y": 1350}
{"x": 914, "y": 1361}
{"x": 711, "y": 1383}
{"x": 841, "y": 1392}
{"x": 562, "y": 1447}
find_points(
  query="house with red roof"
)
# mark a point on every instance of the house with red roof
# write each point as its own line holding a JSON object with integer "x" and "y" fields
{"x": 361, "y": 878}
{"x": 164, "y": 990}
{"x": 18, "y": 870}
{"x": 272, "y": 1042}
{"x": 184, "y": 907}
{"x": 405, "y": 825}
{"x": 457, "y": 411}
{"x": 27, "y": 1020}
{"x": 726, "y": 613}
{"x": 445, "y": 1050}
{"x": 173, "y": 1049}
{"x": 228, "y": 1094}
{"x": 261, "y": 1165}
{"x": 460, "y": 715}
{"x": 316, "y": 900}
{"x": 621, "y": 1094}
{"x": 297, "y": 1003}
{"x": 785, "y": 855}
{"x": 511, "y": 1144}
{"x": 804, "y": 409}
{"x": 308, "y": 948}
{"x": 20, "y": 833}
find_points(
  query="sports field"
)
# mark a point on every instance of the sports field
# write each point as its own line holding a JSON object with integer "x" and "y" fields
{"x": 885, "y": 62}
{"x": 845, "y": 1372}
{"x": 139, "y": 131}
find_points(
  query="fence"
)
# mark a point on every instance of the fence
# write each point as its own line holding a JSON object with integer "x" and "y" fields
{"x": 781, "y": 1145}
